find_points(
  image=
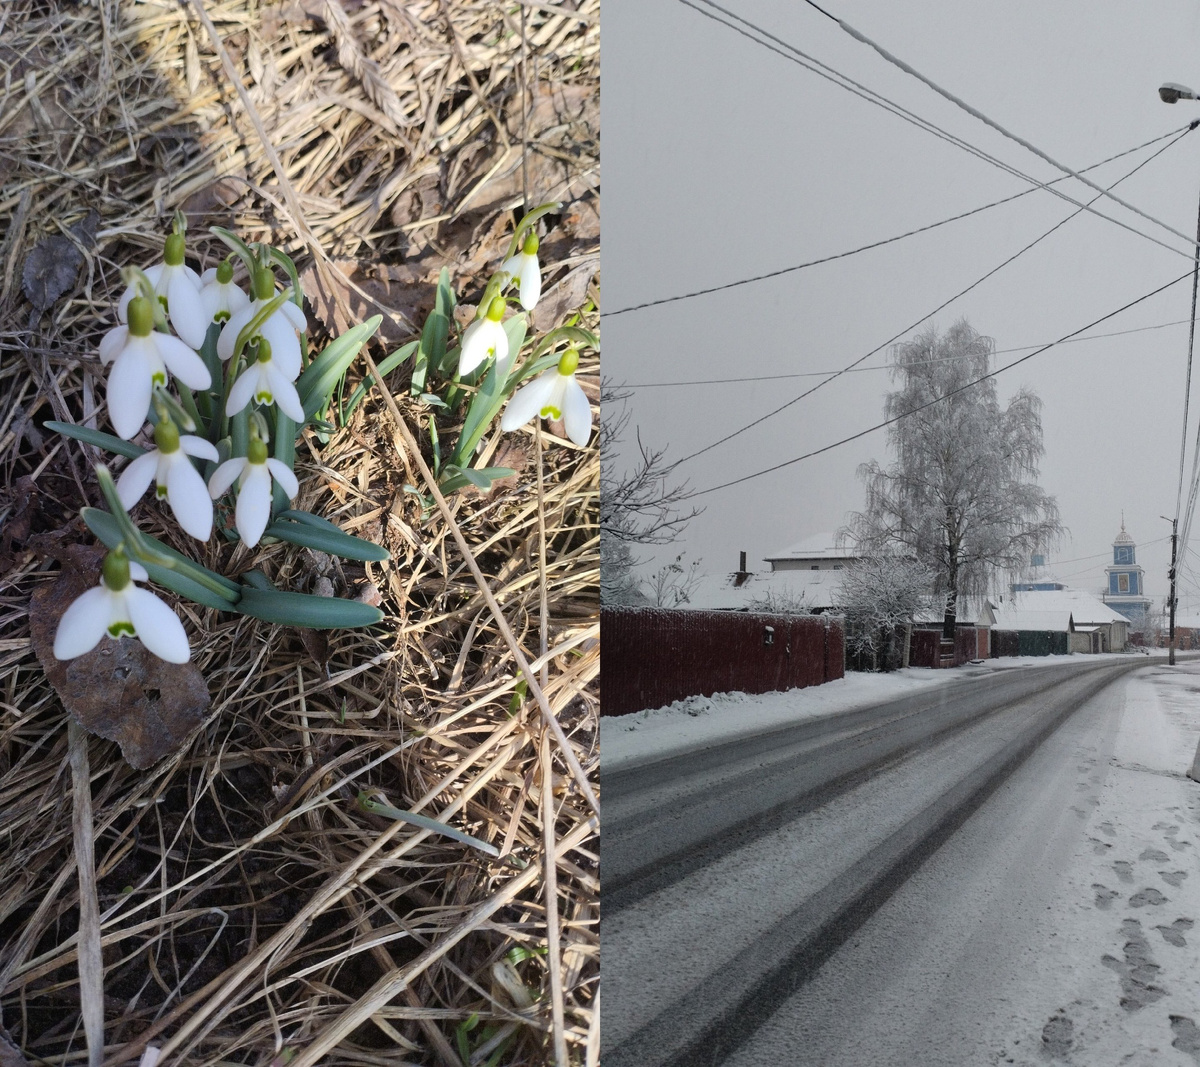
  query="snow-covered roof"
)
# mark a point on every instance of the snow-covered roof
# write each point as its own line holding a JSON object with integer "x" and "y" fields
{"x": 1036, "y": 609}
{"x": 1190, "y": 622}
{"x": 819, "y": 546}
{"x": 1123, "y": 537}
{"x": 816, "y": 589}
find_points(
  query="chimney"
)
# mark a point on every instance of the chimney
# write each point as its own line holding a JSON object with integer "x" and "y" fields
{"x": 739, "y": 579}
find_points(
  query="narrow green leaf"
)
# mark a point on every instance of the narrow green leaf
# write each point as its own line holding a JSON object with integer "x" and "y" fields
{"x": 480, "y": 477}
{"x": 568, "y": 333}
{"x": 106, "y": 528}
{"x": 309, "y": 519}
{"x": 487, "y": 402}
{"x": 376, "y": 807}
{"x": 302, "y": 609}
{"x": 431, "y": 350}
{"x": 385, "y": 366}
{"x": 98, "y": 438}
{"x": 316, "y": 384}
{"x": 336, "y": 543}
{"x": 285, "y": 452}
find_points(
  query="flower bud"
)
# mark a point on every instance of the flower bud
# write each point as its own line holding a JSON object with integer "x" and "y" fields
{"x": 264, "y": 350}
{"x": 141, "y": 316}
{"x": 115, "y": 570}
{"x": 173, "y": 250}
{"x": 166, "y": 437}
{"x": 264, "y": 284}
{"x": 225, "y": 272}
{"x": 495, "y": 310}
{"x": 530, "y": 246}
{"x": 569, "y": 362}
{"x": 257, "y": 450}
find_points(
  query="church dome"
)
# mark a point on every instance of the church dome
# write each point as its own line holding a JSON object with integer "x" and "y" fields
{"x": 1123, "y": 537}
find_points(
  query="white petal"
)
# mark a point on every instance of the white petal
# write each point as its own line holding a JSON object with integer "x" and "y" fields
{"x": 253, "y": 503}
{"x": 577, "y": 412}
{"x": 112, "y": 343}
{"x": 136, "y": 478}
{"x": 210, "y": 275}
{"x": 531, "y": 282}
{"x": 295, "y": 315}
{"x": 474, "y": 348}
{"x": 83, "y": 623}
{"x": 243, "y": 390}
{"x": 528, "y": 401}
{"x": 512, "y": 266}
{"x": 123, "y": 303}
{"x": 225, "y": 475}
{"x": 129, "y": 388}
{"x": 284, "y": 476}
{"x": 198, "y": 446}
{"x": 188, "y": 497}
{"x": 137, "y": 572}
{"x": 187, "y": 310}
{"x": 192, "y": 277}
{"x": 285, "y": 347}
{"x": 182, "y": 361}
{"x": 232, "y": 328}
{"x": 286, "y": 397}
{"x": 156, "y": 625}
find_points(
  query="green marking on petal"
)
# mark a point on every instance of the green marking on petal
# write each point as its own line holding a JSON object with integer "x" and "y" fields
{"x": 160, "y": 491}
{"x": 221, "y": 316}
{"x": 158, "y": 378}
{"x": 121, "y": 629}
{"x": 264, "y": 397}
{"x": 550, "y": 412}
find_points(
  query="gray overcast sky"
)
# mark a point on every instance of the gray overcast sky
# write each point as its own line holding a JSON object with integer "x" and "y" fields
{"x": 725, "y": 160}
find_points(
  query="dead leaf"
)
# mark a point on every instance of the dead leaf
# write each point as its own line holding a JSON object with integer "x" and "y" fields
{"x": 53, "y": 265}
{"x": 119, "y": 690}
{"x": 564, "y": 296}
{"x": 401, "y": 288}
{"x": 10, "y": 1054}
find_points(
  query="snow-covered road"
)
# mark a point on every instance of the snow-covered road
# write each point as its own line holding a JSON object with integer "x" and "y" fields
{"x": 1053, "y": 926}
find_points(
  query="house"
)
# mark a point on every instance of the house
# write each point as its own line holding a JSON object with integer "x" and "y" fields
{"x": 1069, "y": 612}
{"x": 804, "y": 577}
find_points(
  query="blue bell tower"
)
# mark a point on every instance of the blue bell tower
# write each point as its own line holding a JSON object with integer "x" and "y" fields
{"x": 1125, "y": 592}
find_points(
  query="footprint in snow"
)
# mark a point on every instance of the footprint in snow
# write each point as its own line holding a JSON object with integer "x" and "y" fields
{"x": 1149, "y": 895}
{"x": 1187, "y": 1036}
{"x": 1178, "y": 846}
{"x": 1154, "y": 854}
{"x": 1104, "y": 896}
{"x": 1058, "y": 1035}
{"x": 1137, "y": 970}
{"x": 1124, "y": 870}
{"x": 1174, "y": 878}
{"x": 1173, "y": 934}
{"x": 1098, "y": 847}
{"x": 1107, "y": 828}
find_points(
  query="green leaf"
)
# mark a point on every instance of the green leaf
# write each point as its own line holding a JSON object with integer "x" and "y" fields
{"x": 487, "y": 402}
{"x": 431, "y": 350}
{"x": 98, "y": 438}
{"x": 302, "y": 609}
{"x": 285, "y": 452}
{"x": 317, "y": 382}
{"x": 480, "y": 477}
{"x": 106, "y": 528}
{"x": 309, "y": 519}
{"x": 385, "y": 366}
{"x": 287, "y": 263}
{"x": 335, "y": 542}
{"x": 569, "y": 333}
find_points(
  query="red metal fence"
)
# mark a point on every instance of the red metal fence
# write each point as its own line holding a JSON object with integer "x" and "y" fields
{"x": 653, "y": 656}
{"x": 970, "y": 642}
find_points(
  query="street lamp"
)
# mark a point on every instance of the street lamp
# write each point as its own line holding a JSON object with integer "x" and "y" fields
{"x": 1172, "y": 93}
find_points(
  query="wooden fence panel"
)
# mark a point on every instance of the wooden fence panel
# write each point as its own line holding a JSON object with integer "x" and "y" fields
{"x": 652, "y": 656}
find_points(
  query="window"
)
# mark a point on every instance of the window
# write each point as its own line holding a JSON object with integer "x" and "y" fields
{"x": 816, "y": 566}
{"x": 1122, "y": 583}
{"x": 1123, "y": 554}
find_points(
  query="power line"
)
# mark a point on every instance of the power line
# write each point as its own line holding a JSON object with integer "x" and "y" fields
{"x": 923, "y": 318}
{"x": 977, "y": 114}
{"x": 886, "y": 366}
{"x": 886, "y": 241}
{"x": 953, "y": 392}
{"x": 795, "y": 55}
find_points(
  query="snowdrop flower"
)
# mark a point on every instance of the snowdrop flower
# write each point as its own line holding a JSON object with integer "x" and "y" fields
{"x": 279, "y": 330}
{"x": 264, "y": 381}
{"x": 219, "y": 297}
{"x": 178, "y": 289}
{"x": 254, "y": 495}
{"x": 141, "y": 358}
{"x": 483, "y": 338}
{"x": 526, "y": 272}
{"x": 119, "y": 608}
{"x": 553, "y": 395}
{"x": 178, "y": 482}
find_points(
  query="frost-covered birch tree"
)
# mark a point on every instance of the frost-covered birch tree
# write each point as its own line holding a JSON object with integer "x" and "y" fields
{"x": 962, "y": 496}
{"x": 880, "y": 593}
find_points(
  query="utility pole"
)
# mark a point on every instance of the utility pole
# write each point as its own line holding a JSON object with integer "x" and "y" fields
{"x": 1171, "y": 575}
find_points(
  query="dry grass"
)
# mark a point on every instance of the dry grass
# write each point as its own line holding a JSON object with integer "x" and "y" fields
{"x": 250, "y": 911}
